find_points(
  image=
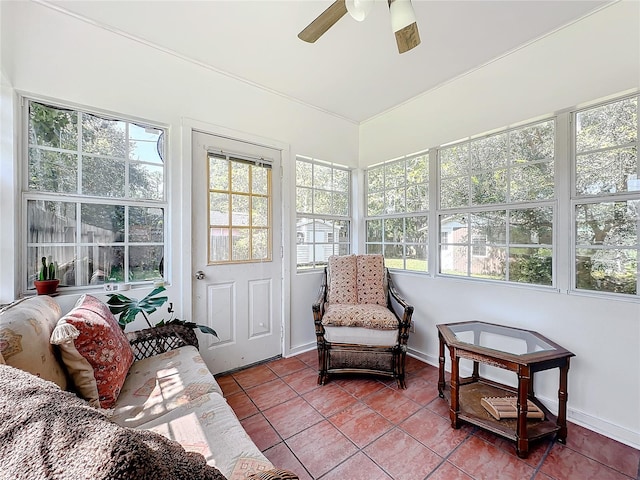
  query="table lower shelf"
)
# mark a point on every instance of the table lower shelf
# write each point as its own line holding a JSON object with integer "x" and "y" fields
{"x": 471, "y": 410}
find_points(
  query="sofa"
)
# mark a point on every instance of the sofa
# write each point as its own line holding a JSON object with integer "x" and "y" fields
{"x": 77, "y": 394}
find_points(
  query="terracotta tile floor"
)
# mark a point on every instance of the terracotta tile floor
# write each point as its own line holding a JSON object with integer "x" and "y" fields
{"x": 365, "y": 428}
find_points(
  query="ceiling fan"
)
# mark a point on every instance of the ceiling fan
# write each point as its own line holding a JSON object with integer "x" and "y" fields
{"x": 403, "y": 21}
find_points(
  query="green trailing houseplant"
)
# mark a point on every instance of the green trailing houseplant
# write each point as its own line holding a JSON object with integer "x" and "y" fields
{"x": 129, "y": 308}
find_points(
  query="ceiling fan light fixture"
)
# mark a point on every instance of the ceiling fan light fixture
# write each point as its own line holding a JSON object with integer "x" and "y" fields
{"x": 359, "y": 9}
{"x": 402, "y": 14}
{"x": 404, "y": 25}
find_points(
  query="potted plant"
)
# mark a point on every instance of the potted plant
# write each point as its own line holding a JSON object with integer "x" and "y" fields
{"x": 47, "y": 282}
{"x": 129, "y": 308}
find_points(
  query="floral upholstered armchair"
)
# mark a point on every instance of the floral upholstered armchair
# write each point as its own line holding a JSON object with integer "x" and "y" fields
{"x": 361, "y": 321}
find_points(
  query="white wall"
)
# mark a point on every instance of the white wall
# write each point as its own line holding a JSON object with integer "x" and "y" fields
{"x": 596, "y": 57}
{"x": 50, "y": 54}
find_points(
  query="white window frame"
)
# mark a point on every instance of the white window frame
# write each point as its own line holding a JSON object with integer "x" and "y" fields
{"x": 310, "y": 243}
{"x": 508, "y": 206}
{"x": 79, "y": 199}
{"x": 391, "y": 215}
{"x": 600, "y": 198}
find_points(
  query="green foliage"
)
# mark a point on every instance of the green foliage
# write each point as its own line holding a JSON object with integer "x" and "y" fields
{"x": 129, "y": 308}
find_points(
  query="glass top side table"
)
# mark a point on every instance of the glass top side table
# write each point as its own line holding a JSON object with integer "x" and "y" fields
{"x": 521, "y": 351}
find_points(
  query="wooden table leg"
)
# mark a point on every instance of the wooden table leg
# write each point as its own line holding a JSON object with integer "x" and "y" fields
{"x": 562, "y": 403}
{"x": 441, "y": 367}
{"x": 455, "y": 389}
{"x": 522, "y": 438}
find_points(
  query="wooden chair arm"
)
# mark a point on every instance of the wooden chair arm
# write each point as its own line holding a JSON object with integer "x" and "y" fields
{"x": 273, "y": 474}
{"x": 153, "y": 341}
{"x": 393, "y": 292}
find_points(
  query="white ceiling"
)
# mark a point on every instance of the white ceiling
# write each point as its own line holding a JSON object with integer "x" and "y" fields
{"x": 354, "y": 70}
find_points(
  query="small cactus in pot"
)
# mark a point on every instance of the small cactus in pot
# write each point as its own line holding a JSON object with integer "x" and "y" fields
{"x": 47, "y": 282}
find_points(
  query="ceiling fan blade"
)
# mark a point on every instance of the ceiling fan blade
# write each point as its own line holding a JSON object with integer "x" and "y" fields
{"x": 408, "y": 38}
{"x": 323, "y": 22}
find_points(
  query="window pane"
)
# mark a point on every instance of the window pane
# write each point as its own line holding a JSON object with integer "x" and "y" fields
{"x": 146, "y": 224}
{"x": 101, "y": 136}
{"x": 340, "y": 204}
{"x": 240, "y": 210}
{"x": 218, "y": 209}
{"x": 144, "y": 262}
{"x": 394, "y": 174}
{"x": 393, "y": 256}
{"x": 607, "y": 172}
{"x": 322, "y": 177}
{"x": 454, "y": 261}
{"x": 531, "y": 226}
{"x": 454, "y": 192}
{"x": 260, "y": 211}
{"x": 102, "y": 223}
{"x": 608, "y": 125}
{"x": 611, "y": 224}
{"x": 375, "y": 203}
{"x": 393, "y": 230}
{"x": 259, "y": 180}
{"x": 52, "y": 171}
{"x": 52, "y": 127}
{"x": 342, "y": 230}
{"x": 532, "y": 182}
{"x": 416, "y": 230}
{"x": 490, "y": 263}
{"x": 454, "y": 161}
{"x": 610, "y": 270}
{"x": 51, "y": 222}
{"x": 304, "y": 200}
{"x": 103, "y": 177}
{"x": 218, "y": 245}
{"x": 375, "y": 178}
{"x": 491, "y": 226}
{"x": 532, "y": 143}
{"x": 374, "y": 230}
{"x": 417, "y": 258}
{"x": 489, "y": 187}
{"x": 304, "y": 175}
{"x": 101, "y": 264}
{"x": 374, "y": 248}
{"x": 322, "y": 202}
{"x": 530, "y": 265}
{"x": 145, "y": 143}
{"x": 394, "y": 200}
{"x": 218, "y": 173}
{"x": 259, "y": 244}
{"x": 418, "y": 169}
{"x": 146, "y": 181}
{"x": 489, "y": 153}
{"x": 417, "y": 198}
{"x": 240, "y": 244}
{"x": 240, "y": 177}
{"x": 340, "y": 180}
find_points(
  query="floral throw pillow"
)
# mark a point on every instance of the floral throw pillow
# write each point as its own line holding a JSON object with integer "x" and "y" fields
{"x": 98, "y": 359}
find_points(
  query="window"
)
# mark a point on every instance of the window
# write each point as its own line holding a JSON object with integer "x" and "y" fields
{"x": 239, "y": 210}
{"x": 93, "y": 197}
{"x": 323, "y": 212}
{"x": 606, "y": 203}
{"x": 397, "y": 212}
{"x": 497, "y": 206}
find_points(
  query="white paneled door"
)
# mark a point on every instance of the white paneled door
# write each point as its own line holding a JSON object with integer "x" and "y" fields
{"x": 237, "y": 245}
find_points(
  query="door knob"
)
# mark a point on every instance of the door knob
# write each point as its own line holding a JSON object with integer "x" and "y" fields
{"x": 199, "y": 275}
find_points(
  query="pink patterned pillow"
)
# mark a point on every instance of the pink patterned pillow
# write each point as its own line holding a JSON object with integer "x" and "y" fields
{"x": 342, "y": 279}
{"x": 371, "y": 288}
{"x": 102, "y": 345}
